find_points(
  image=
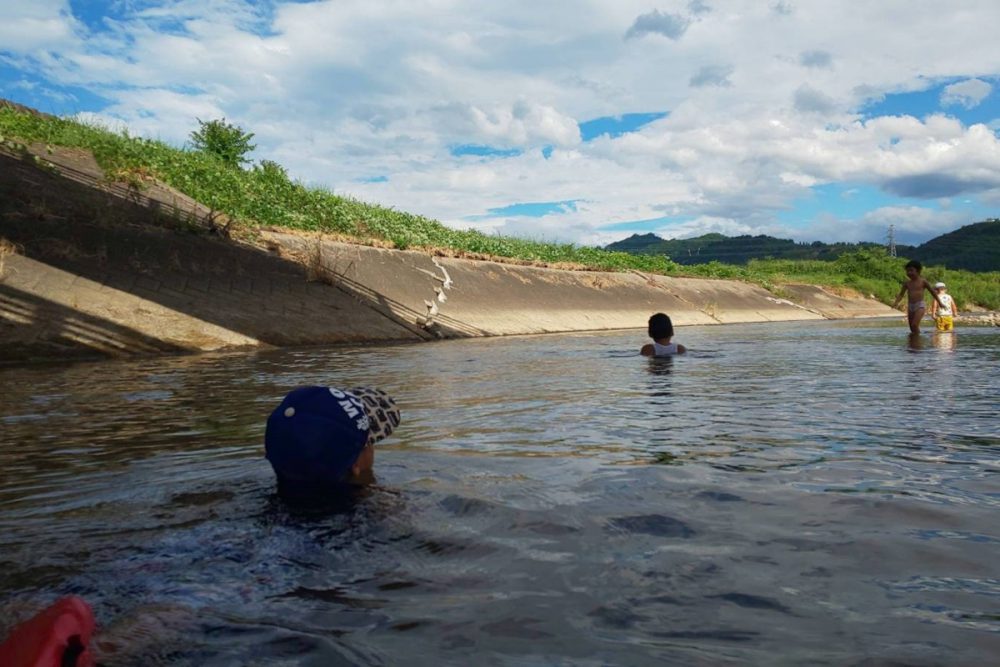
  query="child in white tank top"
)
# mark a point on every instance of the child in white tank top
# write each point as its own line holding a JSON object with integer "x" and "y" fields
{"x": 944, "y": 315}
{"x": 661, "y": 330}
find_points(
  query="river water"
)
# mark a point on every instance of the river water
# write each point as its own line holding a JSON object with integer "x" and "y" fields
{"x": 813, "y": 493}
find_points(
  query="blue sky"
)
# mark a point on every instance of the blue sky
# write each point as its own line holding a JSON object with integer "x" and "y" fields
{"x": 616, "y": 126}
{"x": 534, "y": 209}
{"x": 618, "y": 117}
{"x": 929, "y": 101}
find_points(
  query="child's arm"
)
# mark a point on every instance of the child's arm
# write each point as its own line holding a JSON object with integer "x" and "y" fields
{"x": 902, "y": 291}
{"x": 927, "y": 286}
{"x": 647, "y": 350}
{"x": 681, "y": 349}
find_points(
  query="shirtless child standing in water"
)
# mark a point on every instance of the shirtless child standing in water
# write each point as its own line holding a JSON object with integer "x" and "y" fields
{"x": 914, "y": 287}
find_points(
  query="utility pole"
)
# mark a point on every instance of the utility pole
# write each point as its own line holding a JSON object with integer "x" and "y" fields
{"x": 891, "y": 237}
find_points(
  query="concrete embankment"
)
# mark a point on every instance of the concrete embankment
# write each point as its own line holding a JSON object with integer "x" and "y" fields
{"x": 95, "y": 268}
{"x": 836, "y": 306}
{"x": 460, "y": 297}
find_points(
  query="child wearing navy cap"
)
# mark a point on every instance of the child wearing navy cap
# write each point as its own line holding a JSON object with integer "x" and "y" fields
{"x": 321, "y": 438}
{"x": 318, "y": 440}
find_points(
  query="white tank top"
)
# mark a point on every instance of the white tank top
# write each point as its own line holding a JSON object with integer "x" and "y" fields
{"x": 948, "y": 309}
{"x": 664, "y": 350}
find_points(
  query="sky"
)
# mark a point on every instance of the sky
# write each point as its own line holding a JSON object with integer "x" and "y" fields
{"x": 581, "y": 121}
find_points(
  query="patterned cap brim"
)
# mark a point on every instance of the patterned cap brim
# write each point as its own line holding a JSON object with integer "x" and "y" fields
{"x": 383, "y": 415}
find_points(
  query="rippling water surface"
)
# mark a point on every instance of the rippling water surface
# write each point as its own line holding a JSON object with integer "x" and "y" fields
{"x": 786, "y": 494}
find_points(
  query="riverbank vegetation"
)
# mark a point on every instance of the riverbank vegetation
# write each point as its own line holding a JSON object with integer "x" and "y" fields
{"x": 263, "y": 195}
{"x": 869, "y": 272}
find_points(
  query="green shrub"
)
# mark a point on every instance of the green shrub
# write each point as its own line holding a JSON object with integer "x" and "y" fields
{"x": 226, "y": 141}
{"x": 870, "y": 263}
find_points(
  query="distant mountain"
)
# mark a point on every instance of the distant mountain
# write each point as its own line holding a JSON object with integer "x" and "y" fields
{"x": 975, "y": 247}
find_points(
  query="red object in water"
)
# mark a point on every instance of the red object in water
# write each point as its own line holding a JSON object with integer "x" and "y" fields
{"x": 59, "y": 636}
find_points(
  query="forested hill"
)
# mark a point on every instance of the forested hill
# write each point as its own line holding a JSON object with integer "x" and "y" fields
{"x": 732, "y": 249}
{"x": 975, "y": 247}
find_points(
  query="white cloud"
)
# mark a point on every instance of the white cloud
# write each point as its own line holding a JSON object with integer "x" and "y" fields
{"x": 524, "y": 123}
{"x": 712, "y": 75}
{"x": 158, "y": 113}
{"x": 808, "y": 99}
{"x": 35, "y": 24}
{"x": 671, "y": 26}
{"x": 354, "y": 89}
{"x": 697, "y": 7}
{"x": 705, "y": 225}
{"x": 968, "y": 93}
{"x": 816, "y": 58}
{"x": 913, "y": 225}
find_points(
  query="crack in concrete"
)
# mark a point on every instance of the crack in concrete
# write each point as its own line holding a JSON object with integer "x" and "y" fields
{"x": 439, "y": 296}
{"x": 786, "y": 302}
{"x": 652, "y": 283}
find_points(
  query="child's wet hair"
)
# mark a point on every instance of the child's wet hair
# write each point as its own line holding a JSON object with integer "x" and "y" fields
{"x": 660, "y": 326}
{"x": 914, "y": 264}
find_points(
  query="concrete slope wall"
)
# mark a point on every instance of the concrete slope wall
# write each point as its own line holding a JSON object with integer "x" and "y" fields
{"x": 86, "y": 273}
{"x": 834, "y": 306}
{"x": 459, "y": 297}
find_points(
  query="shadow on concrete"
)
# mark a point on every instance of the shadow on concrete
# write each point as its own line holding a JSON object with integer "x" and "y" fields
{"x": 33, "y": 327}
{"x": 74, "y": 223}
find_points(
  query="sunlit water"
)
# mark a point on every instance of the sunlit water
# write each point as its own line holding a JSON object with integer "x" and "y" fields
{"x": 786, "y": 494}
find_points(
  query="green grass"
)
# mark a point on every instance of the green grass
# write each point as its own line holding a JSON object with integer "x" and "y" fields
{"x": 264, "y": 196}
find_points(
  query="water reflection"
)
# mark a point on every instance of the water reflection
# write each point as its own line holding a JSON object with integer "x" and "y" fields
{"x": 916, "y": 342}
{"x": 660, "y": 365}
{"x": 545, "y": 501}
{"x": 940, "y": 341}
{"x": 945, "y": 341}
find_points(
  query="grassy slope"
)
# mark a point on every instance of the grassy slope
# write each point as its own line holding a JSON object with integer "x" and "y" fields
{"x": 265, "y": 196}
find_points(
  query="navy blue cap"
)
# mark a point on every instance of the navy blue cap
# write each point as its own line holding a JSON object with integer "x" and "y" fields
{"x": 314, "y": 437}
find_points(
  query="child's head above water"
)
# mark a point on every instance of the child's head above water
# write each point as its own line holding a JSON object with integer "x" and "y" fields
{"x": 321, "y": 438}
{"x": 660, "y": 327}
